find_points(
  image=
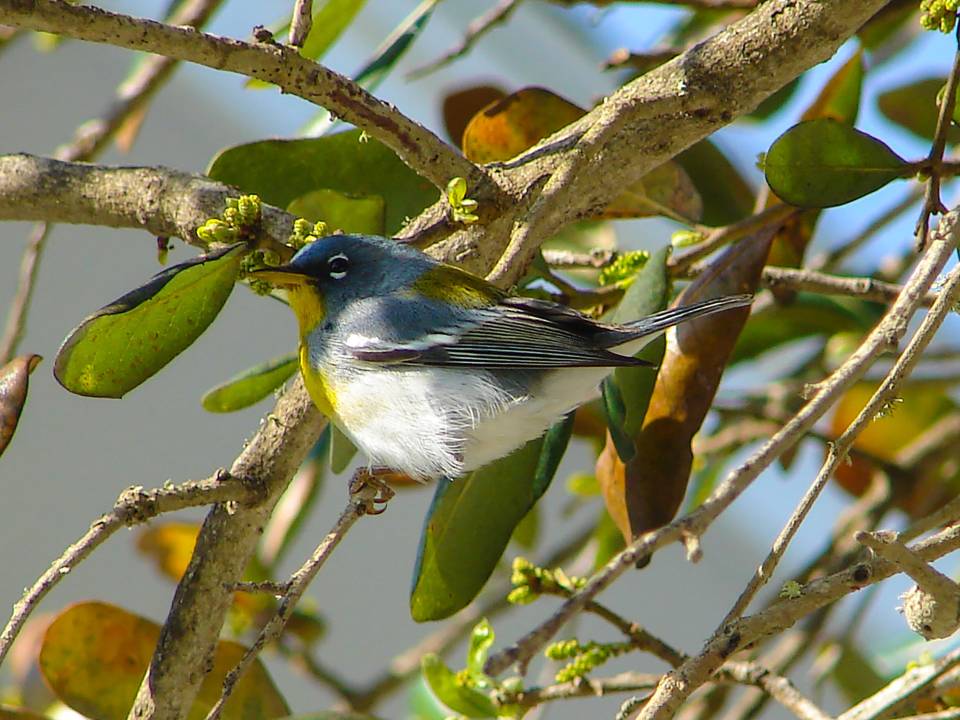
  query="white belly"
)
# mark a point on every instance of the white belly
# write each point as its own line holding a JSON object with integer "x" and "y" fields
{"x": 445, "y": 422}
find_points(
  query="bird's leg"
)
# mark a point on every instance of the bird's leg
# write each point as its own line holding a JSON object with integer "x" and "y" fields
{"x": 370, "y": 484}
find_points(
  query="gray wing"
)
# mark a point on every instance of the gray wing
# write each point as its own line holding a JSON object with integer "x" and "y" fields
{"x": 518, "y": 334}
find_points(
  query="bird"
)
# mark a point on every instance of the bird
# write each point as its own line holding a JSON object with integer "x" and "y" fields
{"x": 434, "y": 372}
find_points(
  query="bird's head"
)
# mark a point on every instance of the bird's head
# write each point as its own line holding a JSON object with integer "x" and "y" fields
{"x": 326, "y": 275}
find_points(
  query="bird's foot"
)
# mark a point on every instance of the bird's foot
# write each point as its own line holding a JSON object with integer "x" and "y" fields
{"x": 369, "y": 486}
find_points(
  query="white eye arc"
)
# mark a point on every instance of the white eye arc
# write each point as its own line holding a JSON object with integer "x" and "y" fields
{"x": 338, "y": 265}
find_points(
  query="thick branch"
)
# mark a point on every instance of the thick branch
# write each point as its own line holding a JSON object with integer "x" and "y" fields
{"x": 161, "y": 201}
{"x": 226, "y": 542}
{"x": 278, "y": 64}
{"x": 663, "y": 112}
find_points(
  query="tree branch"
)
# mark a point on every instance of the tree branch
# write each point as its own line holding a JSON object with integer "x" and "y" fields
{"x": 278, "y": 64}
{"x": 134, "y": 506}
{"x": 890, "y": 329}
{"x": 225, "y": 544}
{"x": 161, "y": 201}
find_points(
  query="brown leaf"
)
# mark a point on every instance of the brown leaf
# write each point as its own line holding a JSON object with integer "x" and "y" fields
{"x": 655, "y": 480}
{"x": 14, "y": 382}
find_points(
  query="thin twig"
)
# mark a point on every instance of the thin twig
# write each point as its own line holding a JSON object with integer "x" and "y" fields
{"x": 898, "y": 692}
{"x": 357, "y": 507}
{"x": 832, "y": 259}
{"x": 568, "y": 260}
{"x": 671, "y": 692}
{"x": 770, "y": 217}
{"x": 26, "y": 281}
{"x": 777, "y": 686}
{"x": 477, "y": 28}
{"x": 839, "y": 449}
{"x": 134, "y": 506}
{"x": 865, "y": 288}
{"x": 301, "y": 22}
{"x": 886, "y": 333}
{"x": 582, "y": 687}
{"x": 407, "y": 663}
{"x": 932, "y": 204}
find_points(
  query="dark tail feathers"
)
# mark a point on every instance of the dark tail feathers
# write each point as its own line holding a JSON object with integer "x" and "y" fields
{"x": 660, "y": 321}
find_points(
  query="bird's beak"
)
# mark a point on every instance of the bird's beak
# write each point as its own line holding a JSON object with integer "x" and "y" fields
{"x": 282, "y": 276}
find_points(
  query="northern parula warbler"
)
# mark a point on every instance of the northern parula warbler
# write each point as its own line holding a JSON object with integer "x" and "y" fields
{"x": 435, "y": 372}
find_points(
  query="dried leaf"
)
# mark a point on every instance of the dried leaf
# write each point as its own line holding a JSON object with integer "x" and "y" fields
{"x": 14, "y": 383}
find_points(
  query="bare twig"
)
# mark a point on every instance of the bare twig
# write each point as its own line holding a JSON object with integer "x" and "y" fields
{"x": 696, "y": 4}
{"x": 770, "y": 217}
{"x": 898, "y": 692}
{"x": 932, "y": 204}
{"x": 838, "y": 450}
{"x": 407, "y": 663}
{"x": 865, "y": 288}
{"x": 671, "y": 692}
{"x": 567, "y": 259}
{"x": 832, "y": 259}
{"x": 583, "y": 687}
{"x": 226, "y": 542}
{"x": 301, "y": 22}
{"x": 779, "y": 688}
{"x": 26, "y": 280}
{"x": 161, "y": 201}
{"x": 881, "y": 338}
{"x": 477, "y": 28}
{"x": 357, "y": 507}
{"x": 134, "y": 506}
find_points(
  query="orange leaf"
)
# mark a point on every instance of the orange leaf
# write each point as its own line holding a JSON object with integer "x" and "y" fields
{"x": 94, "y": 656}
{"x": 170, "y": 546}
{"x": 507, "y": 127}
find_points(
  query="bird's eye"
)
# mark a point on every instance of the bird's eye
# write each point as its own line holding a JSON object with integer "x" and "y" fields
{"x": 337, "y": 265}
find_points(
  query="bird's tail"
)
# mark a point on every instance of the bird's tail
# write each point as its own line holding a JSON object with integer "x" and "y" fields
{"x": 653, "y": 325}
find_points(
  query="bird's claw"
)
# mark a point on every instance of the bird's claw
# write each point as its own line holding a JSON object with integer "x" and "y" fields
{"x": 370, "y": 489}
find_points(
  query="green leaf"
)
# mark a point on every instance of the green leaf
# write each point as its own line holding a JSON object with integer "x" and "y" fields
{"x": 349, "y": 214}
{"x": 453, "y": 692}
{"x": 382, "y": 62}
{"x": 647, "y": 294}
{"x": 342, "y": 449}
{"x": 726, "y": 196}
{"x": 823, "y": 163}
{"x": 471, "y": 520}
{"x": 914, "y": 107}
{"x": 808, "y": 315}
{"x": 250, "y": 386}
{"x": 121, "y": 345}
{"x": 280, "y": 171}
{"x": 481, "y": 639}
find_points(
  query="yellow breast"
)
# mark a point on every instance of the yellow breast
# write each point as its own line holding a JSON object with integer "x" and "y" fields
{"x": 320, "y": 391}
{"x": 307, "y": 305}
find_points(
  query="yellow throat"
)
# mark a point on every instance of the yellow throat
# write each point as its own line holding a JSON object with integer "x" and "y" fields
{"x": 307, "y": 305}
